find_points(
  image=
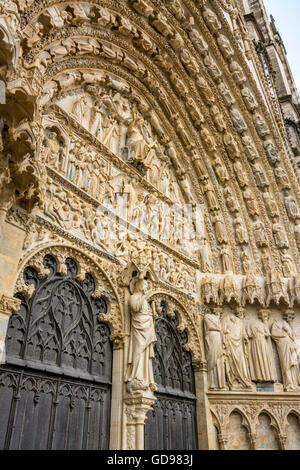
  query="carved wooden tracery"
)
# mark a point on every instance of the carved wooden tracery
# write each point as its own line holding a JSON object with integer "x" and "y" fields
{"x": 172, "y": 424}
{"x": 56, "y": 331}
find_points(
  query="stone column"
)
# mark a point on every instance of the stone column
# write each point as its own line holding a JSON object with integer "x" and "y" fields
{"x": 253, "y": 439}
{"x": 282, "y": 439}
{"x": 204, "y": 420}
{"x": 136, "y": 409}
{"x": 11, "y": 244}
{"x": 115, "y": 442}
{"x": 8, "y": 306}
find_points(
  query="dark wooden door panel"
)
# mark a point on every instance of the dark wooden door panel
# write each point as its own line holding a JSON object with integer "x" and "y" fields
{"x": 172, "y": 423}
{"x": 55, "y": 389}
{"x": 44, "y": 412}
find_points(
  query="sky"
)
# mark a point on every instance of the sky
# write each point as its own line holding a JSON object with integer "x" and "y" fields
{"x": 287, "y": 16}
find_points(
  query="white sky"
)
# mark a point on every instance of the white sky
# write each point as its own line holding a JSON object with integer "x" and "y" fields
{"x": 287, "y": 18}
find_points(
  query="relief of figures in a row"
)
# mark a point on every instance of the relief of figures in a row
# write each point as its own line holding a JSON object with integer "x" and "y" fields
{"x": 80, "y": 219}
{"x": 240, "y": 353}
{"x": 123, "y": 130}
{"x": 147, "y": 214}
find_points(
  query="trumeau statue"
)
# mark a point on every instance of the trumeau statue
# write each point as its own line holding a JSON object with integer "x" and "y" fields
{"x": 215, "y": 350}
{"x": 139, "y": 375}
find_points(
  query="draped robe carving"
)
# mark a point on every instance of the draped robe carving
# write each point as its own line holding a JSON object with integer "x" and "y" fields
{"x": 215, "y": 351}
{"x": 142, "y": 339}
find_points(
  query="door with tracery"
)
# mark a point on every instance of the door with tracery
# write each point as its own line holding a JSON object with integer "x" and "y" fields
{"x": 55, "y": 387}
{"x": 172, "y": 423}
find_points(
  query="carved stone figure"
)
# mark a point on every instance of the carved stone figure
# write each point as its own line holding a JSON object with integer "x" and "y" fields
{"x": 250, "y": 149}
{"x": 139, "y": 375}
{"x": 211, "y": 20}
{"x": 238, "y": 121}
{"x": 231, "y": 200}
{"x": 288, "y": 265}
{"x": 225, "y": 257}
{"x": 279, "y": 234}
{"x": 261, "y": 125}
{"x": 270, "y": 203}
{"x": 260, "y": 232}
{"x": 205, "y": 91}
{"x": 218, "y": 118}
{"x": 82, "y": 111}
{"x": 231, "y": 146}
{"x": 260, "y": 177}
{"x": 212, "y": 67}
{"x": 272, "y": 152}
{"x": 291, "y": 207}
{"x": 241, "y": 174}
{"x": 261, "y": 369}
{"x": 241, "y": 234}
{"x": 220, "y": 229}
{"x": 220, "y": 171}
{"x": 237, "y": 73}
{"x": 215, "y": 350}
{"x": 251, "y": 202}
{"x": 247, "y": 263}
{"x": 225, "y": 46}
{"x": 297, "y": 232}
{"x": 281, "y": 176}
{"x": 196, "y": 38}
{"x": 249, "y": 99}
{"x": 226, "y": 94}
{"x": 208, "y": 139}
{"x": 284, "y": 339}
{"x": 210, "y": 196}
{"x": 236, "y": 343}
{"x": 206, "y": 258}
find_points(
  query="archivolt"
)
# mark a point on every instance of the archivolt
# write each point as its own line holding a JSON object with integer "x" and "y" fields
{"x": 185, "y": 85}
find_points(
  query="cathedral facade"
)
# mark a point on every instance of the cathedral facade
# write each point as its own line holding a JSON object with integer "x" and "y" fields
{"x": 149, "y": 227}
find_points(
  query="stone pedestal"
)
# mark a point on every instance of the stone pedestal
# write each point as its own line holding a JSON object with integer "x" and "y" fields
{"x": 136, "y": 409}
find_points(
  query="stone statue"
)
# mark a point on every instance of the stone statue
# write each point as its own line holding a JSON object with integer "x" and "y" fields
{"x": 261, "y": 125}
{"x": 284, "y": 339}
{"x": 237, "y": 72}
{"x": 250, "y": 150}
{"x": 238, "y": 121}
{"x": 249, "y": 99}
{"x": 279, "y": 234}
{"x": 260, "y": 354}
{"x": 215, "y": 350}
{"x": 236, "y": 341}
{"x": 225, "y": 46}
{"x": 260, "y": 232}
{"x": 282, "y": 178}
{"x": 211, "y": 20}
{"x": 272, "y": 152}
{"x": 139, "y": 375}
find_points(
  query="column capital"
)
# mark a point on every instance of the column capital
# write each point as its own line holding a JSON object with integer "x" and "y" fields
{"x": 9, "y": 305}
